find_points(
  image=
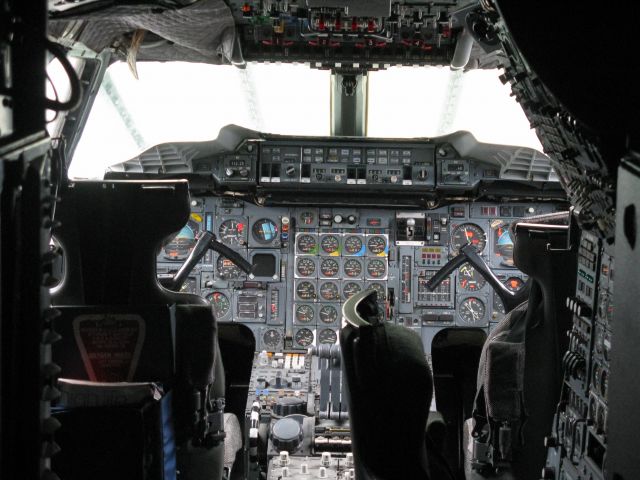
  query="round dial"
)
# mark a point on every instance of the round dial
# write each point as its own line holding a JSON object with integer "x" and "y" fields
{"x": 220, "y": 302}
{"x": 304, "y": 313}
{"x": 606, "y": 346}
{"x": 328, "y": 314}
{"x": 470, "y": 279}
{"x": 330, "y": 244}
{"x": 307, "y": 218}
{"x": 231, "y": 232}
{"x": 352, "y": 268}
{"x": 264, "y": 231}
{"x": 305, "y": 267}
{"x": 514, "y": 283}
{"x": 376, "y": 268}
{"x": 377, "y": 244}
{"x": 180, "y": 246}
{"x": 472, "y": 310}
{"x": 303, "y": 337}
{"x": 329, "y": 291}
{"x": 306, "y": 291}
{"x": 328, "y": 336}
{"x": 329, "y": 267}
{"x": 349, "y": 289}
{"x": 503, "y": 244}
{"x": 380, "y": 290}
{"x": 353, "y": 245}
{"x": 596, "y": 377}
{"x": 468, "y": 233}
{"x": 604, "y": 383}
{"x": 271, "y": 338}
{"x": 227, "y": 270}
{"x": 307, "y": 244}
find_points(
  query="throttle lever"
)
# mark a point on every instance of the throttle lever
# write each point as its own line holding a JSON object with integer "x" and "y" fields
{"x": 468, "y": 254}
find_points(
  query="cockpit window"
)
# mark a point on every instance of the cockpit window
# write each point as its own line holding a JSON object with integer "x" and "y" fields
{"x": 428, "y": 102}
{"x": 176, "y": 101}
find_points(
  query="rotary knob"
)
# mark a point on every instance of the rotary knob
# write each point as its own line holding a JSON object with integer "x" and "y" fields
{"x": 289, "y": 406}
{"x": 290, "y": 171}
{"x": 337, "y": 218}
{"x": 286, "y": 435}
{"x": 423, "y": 174}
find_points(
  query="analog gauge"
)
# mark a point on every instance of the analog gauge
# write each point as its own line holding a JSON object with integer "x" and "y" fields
{"x": 264, "y": 231}
{"x": 329, "y": 267}
{"x": 514, "y": 283}
{"x": 306, "y": 291}
{"x": 377, "y": 245}
{"x": 328, "y": 314}
{"x": 349, "y": 289}
{"x": 498, "y": 307}
{"x": 329, "y": 291}
{"x": 307, "y": 244}
{"x": 327, "y": 336}
{"x": 352, "y": 268}
{"x": 220, "y": 302}
{"x": 376, "y": 268}
{"x": 307, "y": 218}
{"x": 232, "y": 232}
{"x": 472, "y": 310}
{"x": 227, "y": 270}
{"x": 469, "y": 278}
{"x": 304, "y": 313}
{"x": 305, "y": 267}
{"x": 303, "y": 337}
{"x": 180, "y": 246}
{"x": 330, "y": 244}
{"x": 503, "y": 244}
{"x": 380, "y": 290}
{"x": 468, "y": 233}
{"x": 599, "y": 339}
{"x": 353, "y": 245}
{"x": 271, "y": 338}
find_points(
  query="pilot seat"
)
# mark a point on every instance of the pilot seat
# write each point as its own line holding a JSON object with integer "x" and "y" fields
{"x": 142, "y": 386}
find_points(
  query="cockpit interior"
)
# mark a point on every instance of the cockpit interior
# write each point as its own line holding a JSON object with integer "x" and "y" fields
{"x": 318, "y": 239}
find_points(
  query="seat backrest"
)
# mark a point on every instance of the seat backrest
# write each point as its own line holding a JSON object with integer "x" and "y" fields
{"x": 389, "y": 386}
{"x": 520, "y": 370}
{"x": 111, "y": 233}
{"x": 117, "y": 323}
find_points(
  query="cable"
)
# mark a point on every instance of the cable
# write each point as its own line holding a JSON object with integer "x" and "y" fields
{"x": 76, "y": 89}
{"x": 55, "y": 93}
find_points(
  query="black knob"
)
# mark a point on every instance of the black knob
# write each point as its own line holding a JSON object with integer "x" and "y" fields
{"x": 244, "y": 172}
{"x": 290, "y": 171}
{"x": 289, "y": 406}
{"x": 423, "y": 174}
{"x": 351, "y": 219}
{"x": 548, "y": 473}
{"x": 286, "y": 435}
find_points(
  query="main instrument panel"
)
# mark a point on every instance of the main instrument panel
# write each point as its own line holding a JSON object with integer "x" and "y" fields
{"x": 309, "y": 260}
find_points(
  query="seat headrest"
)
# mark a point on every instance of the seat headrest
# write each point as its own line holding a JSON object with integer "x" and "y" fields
{"x": 111, "y": 232}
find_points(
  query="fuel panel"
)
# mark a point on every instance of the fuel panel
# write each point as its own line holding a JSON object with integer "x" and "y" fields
{"x": 309, "y": 260}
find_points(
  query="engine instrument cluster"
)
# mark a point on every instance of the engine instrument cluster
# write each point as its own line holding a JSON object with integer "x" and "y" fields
{"x": 309, "y": 260}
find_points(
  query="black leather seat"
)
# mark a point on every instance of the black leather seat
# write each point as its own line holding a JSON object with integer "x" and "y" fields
{"x": 119, "y": 325}
{"x": 520, "y": 371}
{"x": 389, "y": 385}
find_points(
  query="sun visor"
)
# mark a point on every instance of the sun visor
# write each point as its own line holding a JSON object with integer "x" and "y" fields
{"x": 201, "y": 32}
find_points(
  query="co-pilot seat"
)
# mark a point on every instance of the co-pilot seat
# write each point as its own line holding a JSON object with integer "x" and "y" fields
{"x": 521, "y": 365}
{"x": 389, "y": 386}
{"x": 117, "y": 324}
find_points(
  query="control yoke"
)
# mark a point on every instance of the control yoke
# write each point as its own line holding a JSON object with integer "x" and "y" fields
{"x": 468, "y": 254}
{"x": 206, "y": 241}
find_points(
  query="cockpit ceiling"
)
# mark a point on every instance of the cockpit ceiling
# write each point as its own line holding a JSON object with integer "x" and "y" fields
{"x": 326, "y": 36}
